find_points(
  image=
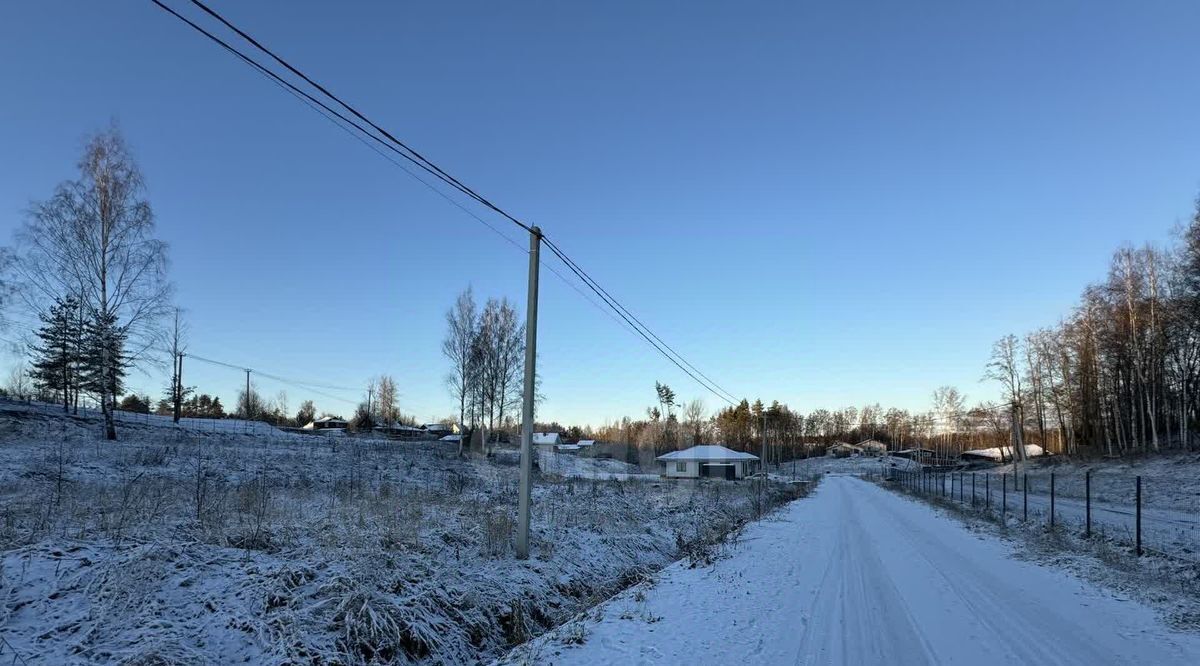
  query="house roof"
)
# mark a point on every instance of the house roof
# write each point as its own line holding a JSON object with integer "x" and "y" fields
{"x": 547, "y": 438}
{"x": 328, "y": 419}
{"x": 586, "y": 442}
{"x": 706, "y": 452}
{"x": 1001, "y": 454}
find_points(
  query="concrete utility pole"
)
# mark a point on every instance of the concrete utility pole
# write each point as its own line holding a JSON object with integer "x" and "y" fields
{"x": 535, "y": 244}
{"x": 370, "y": 394}
{"x": 178, "y": 385}
{"x": 764, "y": 443}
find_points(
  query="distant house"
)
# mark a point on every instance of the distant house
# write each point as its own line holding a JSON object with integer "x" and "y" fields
{"x": 438, "y": 429}
{"x": 707, "y": 460}
{"x": 326, "y": 423}
{"x": 585, "y": 443}
{"x": 843, "y": 450}
{"x": 547, "y": 439}
{"x": 405, "y": 433}
{"x": 871, "y": 447}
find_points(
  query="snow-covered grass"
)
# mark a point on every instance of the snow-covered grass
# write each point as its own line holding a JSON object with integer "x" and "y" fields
{"x": 180, "y": 546}
{"x": 1169, "y": 481}
{"x": 241, "y": 426}
{"x": 582, "y": 467}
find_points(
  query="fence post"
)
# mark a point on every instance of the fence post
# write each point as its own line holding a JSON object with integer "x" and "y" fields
{"x": 987, "y": 490}
{"x": 1139, "y": 515}
{"x": 1004, "y": 498}
{"x": 962, "y": 493}
{"x": 1051, "y": 499}
{"x": 1087, "y": 493}
{"x": 1025, "y": 488}
{"x": 972, "y": 489}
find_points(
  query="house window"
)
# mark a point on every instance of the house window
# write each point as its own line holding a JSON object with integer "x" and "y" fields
{"x": 680, "y": 467}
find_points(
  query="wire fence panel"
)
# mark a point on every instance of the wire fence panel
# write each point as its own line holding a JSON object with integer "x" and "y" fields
{"x": 1142, "y": 513}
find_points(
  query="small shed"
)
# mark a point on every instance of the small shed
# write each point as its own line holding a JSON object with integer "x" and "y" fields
{"x": 585, "y": 443}
{"x": 707, "y": 460}
{"x": 843, "y": 450}
{"x": 326, "y": 423}
{"x": 438, "y": 429}
{"x": 547, "y": 439}
{"x": 871, "y": 447}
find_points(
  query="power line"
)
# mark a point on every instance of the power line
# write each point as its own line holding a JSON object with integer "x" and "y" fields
{"x": 410, "y": 154}
{"x": 431, "y": 166}
{"x": 615, "y": 306}
{"x": 293, "y": 382}
{"x": 622, "y": 310}
{"x": 334, "y": 116}
{"x": 334, "y": 120}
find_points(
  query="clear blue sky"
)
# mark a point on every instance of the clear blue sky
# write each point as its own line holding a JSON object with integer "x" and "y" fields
{"x": 821, "y": 203}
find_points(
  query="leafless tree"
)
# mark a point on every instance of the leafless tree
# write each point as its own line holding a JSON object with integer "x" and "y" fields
{"x": 948, "y": 404}
{"x": 462, "y": 323}
{"x": 387, "y": 400}
{"x": 94, "y": 239}
{"x": 694, "y": 417}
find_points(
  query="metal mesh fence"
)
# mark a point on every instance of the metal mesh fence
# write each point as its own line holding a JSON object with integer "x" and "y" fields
{"x": 1146, "y": 514}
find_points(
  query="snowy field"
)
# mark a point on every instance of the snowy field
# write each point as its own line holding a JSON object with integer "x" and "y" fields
{"x": 238, "y": 426}
{"x": 581, "y": 467}
{"x": 856, "y": 575}
{"x": 175, "y": 546}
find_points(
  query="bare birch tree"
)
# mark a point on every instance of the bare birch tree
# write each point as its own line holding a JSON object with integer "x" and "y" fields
{"x": 94, "y": 239}
{"x": 462, "y": 323}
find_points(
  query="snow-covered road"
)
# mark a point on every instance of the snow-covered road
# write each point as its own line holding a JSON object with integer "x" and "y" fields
{"x": 857, "y": 575}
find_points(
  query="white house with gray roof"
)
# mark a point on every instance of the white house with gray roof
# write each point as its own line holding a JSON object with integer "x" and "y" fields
{"x": 707, "y": 460}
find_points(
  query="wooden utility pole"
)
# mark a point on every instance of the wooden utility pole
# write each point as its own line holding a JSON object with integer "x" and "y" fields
{"x": 249, "y": 411}
{"x": 178, "y": 389}
{"x": 535, "y": 243}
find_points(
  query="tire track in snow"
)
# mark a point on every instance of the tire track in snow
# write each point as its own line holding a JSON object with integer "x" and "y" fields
{"x": 985, "y": 595}
{"x": 858, "y": 615}
{"x": 857, "y": 576}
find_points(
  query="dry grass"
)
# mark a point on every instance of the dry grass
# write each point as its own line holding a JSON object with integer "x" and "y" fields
{"x": 349, "y": 551}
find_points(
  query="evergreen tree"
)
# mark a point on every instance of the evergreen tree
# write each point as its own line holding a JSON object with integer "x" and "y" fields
{"x": 56, "y": 355}
{"x": 135, "y": 403}
{"x": 105, "y": 364}
{"x": 203, "y": 406}
{"x": 217, "y": 411}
